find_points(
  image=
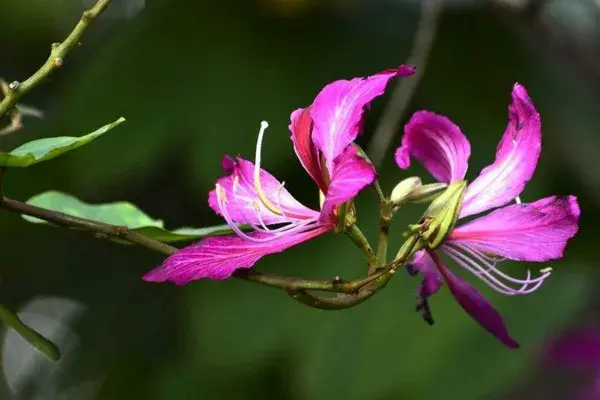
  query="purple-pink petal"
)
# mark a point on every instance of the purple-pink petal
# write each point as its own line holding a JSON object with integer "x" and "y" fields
{"x": 437, "y": 143}
{"x": 432, "y": 279}
{"x": 475, "y": 305}
{"x": 301, "y": 128}
{"x": 242, "y": 202}
{"x": 351, "y": 174}
{"x": 536, "y": 231}
{"x": 516, "y": 158}
{"x": 338, "y": 109}
{"x": 219, "y": 256}
{"x": 579, "y": 349}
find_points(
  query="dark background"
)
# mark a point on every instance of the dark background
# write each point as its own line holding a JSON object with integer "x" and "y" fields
{"x": 194, "y": 78}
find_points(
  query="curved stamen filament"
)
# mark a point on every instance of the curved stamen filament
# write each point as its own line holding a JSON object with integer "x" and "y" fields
{"x": 492, "y": 281}
{"x": 259, "y": 191}
{"x": 222, "y": 203}
{"x": 291, "y": 228}
{"x": 475, "y": 256}
{"x": 484, "y": 268}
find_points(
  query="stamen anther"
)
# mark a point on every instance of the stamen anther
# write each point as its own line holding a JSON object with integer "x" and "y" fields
{"x": 221, "y": 195}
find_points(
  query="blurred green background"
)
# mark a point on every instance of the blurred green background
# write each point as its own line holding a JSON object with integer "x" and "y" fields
{"x": 194, "y": 78}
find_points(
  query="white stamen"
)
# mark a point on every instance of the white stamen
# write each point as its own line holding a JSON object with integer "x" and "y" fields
{"x": 484, "y": 268}
{"x": 257, "y": 158}
{"x": 263, "y": 127}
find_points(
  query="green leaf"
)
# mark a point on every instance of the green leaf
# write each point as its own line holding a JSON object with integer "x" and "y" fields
{"x": 121, "y": 214}
{"x": 49, "y": 148}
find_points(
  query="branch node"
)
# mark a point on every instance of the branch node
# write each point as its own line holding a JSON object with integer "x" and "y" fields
{"x": 58, "y": 62}
{"x": 54, "y": 45}
{"x": 87, "y": 15}
{"x": 14, "y": 85}
{"x": 122, "y": 231}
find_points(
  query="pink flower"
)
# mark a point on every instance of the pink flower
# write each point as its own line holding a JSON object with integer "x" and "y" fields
{"x": 536, "y": 232}
{"x": 579, "y": 350}
{"x": 322, "y": 135}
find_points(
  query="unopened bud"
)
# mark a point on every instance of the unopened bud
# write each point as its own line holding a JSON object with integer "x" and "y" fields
{"x": 427, "y": 193}
{"x": 404, "y": 189}
{"x": 442, "y": 214}
{"x": 411, "y": 190}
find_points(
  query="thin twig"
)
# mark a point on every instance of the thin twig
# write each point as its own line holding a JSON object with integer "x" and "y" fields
{"x": 124, "y": 233}
{"x": 57, "y": 55}
{"x": 99, "y": 228}
{"x": 402, "y": 94}
{"x": 378, "y": 281}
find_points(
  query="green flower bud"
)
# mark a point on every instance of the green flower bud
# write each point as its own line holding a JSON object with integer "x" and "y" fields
{"x": 427, "y": 193}
{"x": 404, "y": 189}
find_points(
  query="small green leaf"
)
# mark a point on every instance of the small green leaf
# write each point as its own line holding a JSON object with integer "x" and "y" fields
{"x": 121, "y": 214}
{"x": 45, "y": 149}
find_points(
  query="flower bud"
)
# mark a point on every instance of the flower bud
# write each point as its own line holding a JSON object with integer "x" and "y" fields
{"x": 440, "y": 217}
{"x": 404, "y": 189}
{"x": 427, "y": 193}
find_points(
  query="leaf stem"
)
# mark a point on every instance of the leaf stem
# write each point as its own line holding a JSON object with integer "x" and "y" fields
{"x": 58, "y": 53}
{"x": 38, "y": 341}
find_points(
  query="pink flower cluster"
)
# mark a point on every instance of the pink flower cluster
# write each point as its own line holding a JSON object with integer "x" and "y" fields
{"x": 322, "y": 136}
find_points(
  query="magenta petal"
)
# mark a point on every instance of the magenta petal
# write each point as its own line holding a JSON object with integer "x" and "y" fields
{"x": 516, "y": 158}
{"x": 243, "y": 204}
{"x": 301, "y": 128}
{"x": 437, "y": 143}
{"x": 351, "y": 174}
{"x": 536, "y": 231}
{"x": 476, "y": 305}
{"x": 219, "y": 256}
{"x": 432, "y": 279}
{"x": 337, "y": 111}
{"x": 578, "y": 349}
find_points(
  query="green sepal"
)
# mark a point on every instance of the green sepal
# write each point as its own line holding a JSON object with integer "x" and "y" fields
{"x": 440, "y": 218}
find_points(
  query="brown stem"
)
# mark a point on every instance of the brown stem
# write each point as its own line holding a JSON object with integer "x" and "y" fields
{"x": 290, "y": 284}
{"x": 378, "y": 281}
